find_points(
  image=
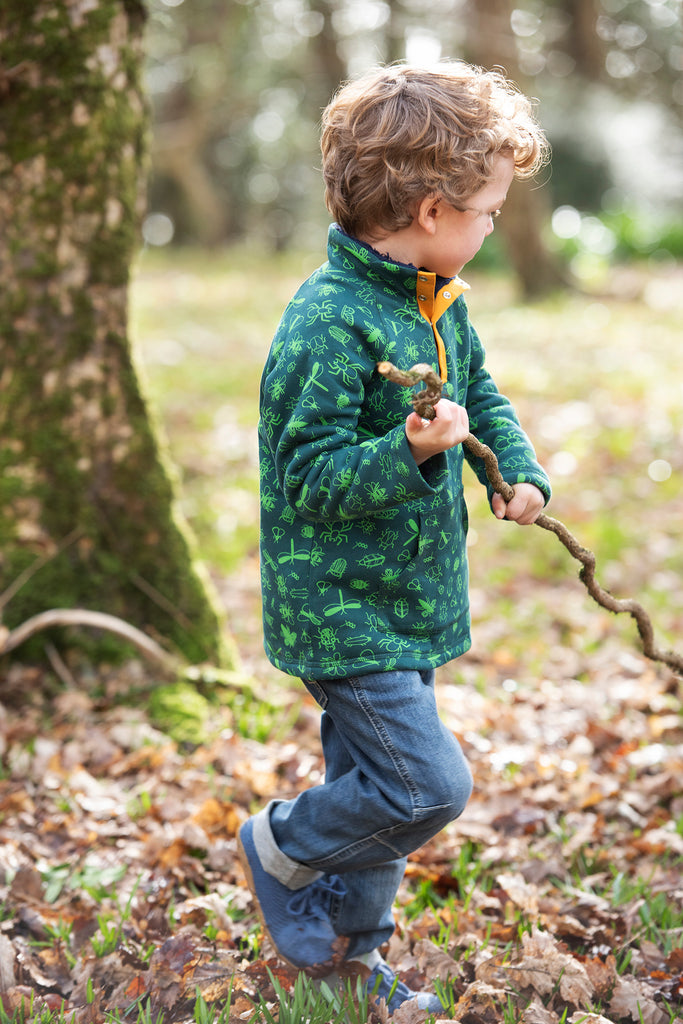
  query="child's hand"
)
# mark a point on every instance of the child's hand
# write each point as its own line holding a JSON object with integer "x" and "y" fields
{"x": 524, "y": 508}
{"x": 450, "y": 426}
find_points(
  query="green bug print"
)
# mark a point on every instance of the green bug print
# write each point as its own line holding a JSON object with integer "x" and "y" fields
{"x": 363, "y": 556}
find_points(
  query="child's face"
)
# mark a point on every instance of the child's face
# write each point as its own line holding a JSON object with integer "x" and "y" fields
{"x": 459, "y": 234}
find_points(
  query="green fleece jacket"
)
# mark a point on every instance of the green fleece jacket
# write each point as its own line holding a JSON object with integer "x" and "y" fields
{"x": 363, "y": 559}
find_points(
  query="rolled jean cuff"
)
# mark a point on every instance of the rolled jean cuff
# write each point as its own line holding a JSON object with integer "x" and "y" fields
{"x": 289, "y": 872}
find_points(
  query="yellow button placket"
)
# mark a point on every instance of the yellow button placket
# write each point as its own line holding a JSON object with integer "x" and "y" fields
{"x": 433, "y": 304}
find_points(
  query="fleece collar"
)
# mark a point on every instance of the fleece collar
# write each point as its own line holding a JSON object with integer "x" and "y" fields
{"x": 433, "y": 294}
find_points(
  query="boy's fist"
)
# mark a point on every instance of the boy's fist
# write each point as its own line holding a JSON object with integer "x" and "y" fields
{"x": 449, "y": 427}
{"x": 523, "y": 508}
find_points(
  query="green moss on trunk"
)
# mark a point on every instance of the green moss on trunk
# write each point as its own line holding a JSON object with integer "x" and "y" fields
{"x": 79, "y": 458}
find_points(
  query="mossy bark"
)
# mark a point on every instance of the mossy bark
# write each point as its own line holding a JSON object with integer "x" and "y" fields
{"x": 83, "y": 485}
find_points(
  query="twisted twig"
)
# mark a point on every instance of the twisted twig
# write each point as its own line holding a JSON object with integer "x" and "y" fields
{"x": 424, "y": 402}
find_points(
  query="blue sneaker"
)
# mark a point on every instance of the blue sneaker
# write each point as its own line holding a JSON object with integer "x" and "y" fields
{"x": 383, "y": 983}
{"x": 296, "y": 921}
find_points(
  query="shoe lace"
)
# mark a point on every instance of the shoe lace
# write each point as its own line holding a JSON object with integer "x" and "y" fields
{"x": 315, "y": 900}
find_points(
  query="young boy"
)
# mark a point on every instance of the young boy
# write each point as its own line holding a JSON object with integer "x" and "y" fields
{"x": 364, "y": 568}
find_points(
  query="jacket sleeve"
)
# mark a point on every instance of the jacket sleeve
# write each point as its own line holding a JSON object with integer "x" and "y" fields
{"x": 493, "y": 421}
{"x": 329, "y": 465}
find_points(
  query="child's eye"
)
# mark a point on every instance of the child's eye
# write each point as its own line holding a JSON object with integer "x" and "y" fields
{"x": 494, "y": 214}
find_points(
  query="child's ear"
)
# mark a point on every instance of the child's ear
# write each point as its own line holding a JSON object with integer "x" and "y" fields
{"x": 428, "y": 212}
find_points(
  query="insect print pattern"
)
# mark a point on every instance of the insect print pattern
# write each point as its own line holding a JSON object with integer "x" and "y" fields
{"x": 362, "y": 551}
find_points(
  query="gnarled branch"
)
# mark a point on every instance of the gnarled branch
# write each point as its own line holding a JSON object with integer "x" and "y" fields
{"x": 84, "y": 617}
{"x": 424, "y": 402}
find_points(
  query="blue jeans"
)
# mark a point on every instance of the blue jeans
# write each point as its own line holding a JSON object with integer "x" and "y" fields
{"x": 395, "y": 776}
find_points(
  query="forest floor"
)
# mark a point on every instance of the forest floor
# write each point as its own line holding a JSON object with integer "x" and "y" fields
{"x": 558, "y": 895}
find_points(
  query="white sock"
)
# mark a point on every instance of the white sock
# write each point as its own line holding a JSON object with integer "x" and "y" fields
{"x": 369, "y": 960}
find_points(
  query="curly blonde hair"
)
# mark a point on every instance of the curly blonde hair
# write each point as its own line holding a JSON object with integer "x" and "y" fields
{"x": 402, "y": 132}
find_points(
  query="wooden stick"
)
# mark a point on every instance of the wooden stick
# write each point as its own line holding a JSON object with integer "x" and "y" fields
{"x": 424, "y": 402}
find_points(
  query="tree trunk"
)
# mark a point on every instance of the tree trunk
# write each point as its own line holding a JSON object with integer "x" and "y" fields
{"x": 330, "y": 69}
{"x": 179, "y": 155}
{"x": 491, "y": 43}
{"x": 585, "y": 45}
{"x": 87, "y": 512}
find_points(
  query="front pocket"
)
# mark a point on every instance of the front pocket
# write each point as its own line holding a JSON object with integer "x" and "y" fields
{"x": 430, "y": 591}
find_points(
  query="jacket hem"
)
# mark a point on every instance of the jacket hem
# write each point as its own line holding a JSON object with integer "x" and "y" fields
{"x": 319, "y": 670}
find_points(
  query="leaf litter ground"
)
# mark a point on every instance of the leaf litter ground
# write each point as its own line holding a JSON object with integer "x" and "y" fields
{"x": 559, "y": 893}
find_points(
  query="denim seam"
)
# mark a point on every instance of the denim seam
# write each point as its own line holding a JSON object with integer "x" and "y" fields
{"x": 330, "y": 863}
{"x": 398, "y": 762}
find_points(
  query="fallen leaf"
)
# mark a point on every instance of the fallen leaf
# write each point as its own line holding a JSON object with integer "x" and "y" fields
{"x": 602, "y": 974}
{"x": 632, "y": 1001}
{"x": 216, "y": 817}
{"x": 536, "y": 1013}
{"x": 674, "y": 960}
{"x": 523, "y": 894}
{"x": 434, "y": 963}
{"x": 544, "y": 967}
{"x": 409, "y": 1013}
{"x": 481, "y": 1003}
{"x": 589, "y": 1018}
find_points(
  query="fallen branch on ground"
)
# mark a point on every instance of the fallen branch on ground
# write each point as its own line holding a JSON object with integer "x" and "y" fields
{"x": 9, "y": 640}
{"x": 424, "y": 402}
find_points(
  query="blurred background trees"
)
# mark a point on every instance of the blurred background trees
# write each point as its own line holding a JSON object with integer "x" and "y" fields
{"x": 237, "y": 88}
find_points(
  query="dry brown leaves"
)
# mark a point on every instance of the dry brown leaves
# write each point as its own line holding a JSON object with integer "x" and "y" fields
{"x": 119, "y": 881}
